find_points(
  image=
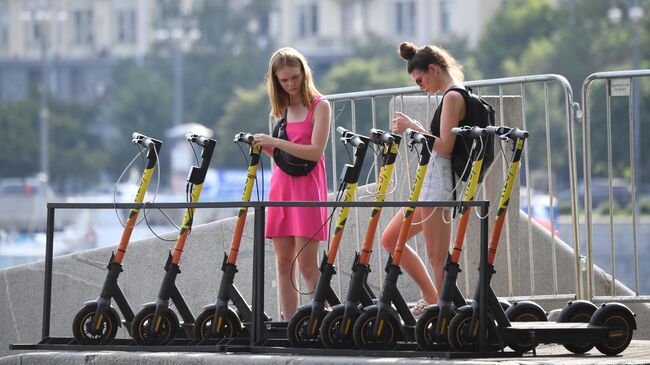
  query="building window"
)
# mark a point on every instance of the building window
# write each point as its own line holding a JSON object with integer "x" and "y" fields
{"x": 307, "y": 20}
{"x": 405, "y": 19}
{"x": 444, "y": 17}
{"x": 352, "y": 19}
{"x": 83, "y": 26}
{"x": 126, "y": 26}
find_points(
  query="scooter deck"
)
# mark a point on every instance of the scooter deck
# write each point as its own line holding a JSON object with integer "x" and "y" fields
{"x": 554, "y": 332}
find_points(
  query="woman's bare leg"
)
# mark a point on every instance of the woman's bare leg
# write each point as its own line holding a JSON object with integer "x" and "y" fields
{"x": 285, "y": 252}
{"x": 308, "y": 261}
{"x": 437, "y": 236}
{"x": 411, "y": 262}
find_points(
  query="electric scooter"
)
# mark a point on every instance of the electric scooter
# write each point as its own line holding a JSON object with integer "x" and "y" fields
{"x": 218, "y": 320}
{"x": 336, "y": 328}
{"x": 156, "y": 323}
{"x": 303, "y": 327}
{"x": 97, "y": 321}
{"x": 431, "y": 327}
{"x": 610, "y": 328}
{"x": 379, "y": 326}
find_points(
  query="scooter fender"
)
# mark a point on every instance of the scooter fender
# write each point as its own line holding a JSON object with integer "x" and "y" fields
{"x": 209, "y": 307}
{"x": 613, "y": 307}
{"x": 111, "y": 309}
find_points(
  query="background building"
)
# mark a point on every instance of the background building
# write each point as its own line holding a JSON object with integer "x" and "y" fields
{"x": 324, "y": 29}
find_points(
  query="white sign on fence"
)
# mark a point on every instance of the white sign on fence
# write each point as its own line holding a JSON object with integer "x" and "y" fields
{"x": 620, "y": 87}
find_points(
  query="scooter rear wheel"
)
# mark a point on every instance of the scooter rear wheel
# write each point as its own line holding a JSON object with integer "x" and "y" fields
{"x": 298, "y": 329}
{"x": 577, "y": 311}
{"x": 620, "y": 320}
{"x": 82, "y": 323}
{"x": 525, "y": 311}
{"x": 330, "y": 329}
{"x": 228, "y": 322}
{"x": 425, "y": 331}
{"x": 364, "y": 336}
{"x": 141, "y": 327}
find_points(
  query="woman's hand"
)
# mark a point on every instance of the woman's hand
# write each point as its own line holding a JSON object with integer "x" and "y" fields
{"x": 402, "y": 121}
{"x": 264, "y": 140}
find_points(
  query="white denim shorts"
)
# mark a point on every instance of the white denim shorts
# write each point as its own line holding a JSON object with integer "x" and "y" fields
{"x": 438, "y": 184}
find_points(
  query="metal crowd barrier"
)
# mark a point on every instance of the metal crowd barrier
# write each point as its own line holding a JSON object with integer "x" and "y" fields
{"x": 617, "y": 84}
{"x": 566, "y": 116}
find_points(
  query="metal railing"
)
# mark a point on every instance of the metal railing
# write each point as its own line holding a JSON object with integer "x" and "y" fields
{"x": 617, "y": 84}
{"x": 567, "y": 116}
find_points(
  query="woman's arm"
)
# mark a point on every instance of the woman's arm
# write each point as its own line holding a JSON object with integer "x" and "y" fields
{"x": 453, "y": 111}
{"x": 319, "y": 137}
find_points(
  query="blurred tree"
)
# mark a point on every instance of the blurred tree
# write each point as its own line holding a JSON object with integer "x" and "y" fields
{"x": 74, "y": 159}
{"x": 510, "y": 31}
{"x": 247, "y": 111}
{"x": 142, "y": 102}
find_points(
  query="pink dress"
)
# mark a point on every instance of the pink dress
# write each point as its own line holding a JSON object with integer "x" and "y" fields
{"x": 299, "y": 221}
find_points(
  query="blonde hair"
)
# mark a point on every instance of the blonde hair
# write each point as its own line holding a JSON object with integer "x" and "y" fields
{"x": 421, "y": 58}
{"x": 279, "y": 98}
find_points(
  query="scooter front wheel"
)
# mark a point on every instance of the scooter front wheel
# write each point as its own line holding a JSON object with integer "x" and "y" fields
{"x": 365, "y": 336}
{"x": 141, "y": 328}
{"x": 227, "y": 324}
{"x": 334, "y": 334}
{"x": 298, "y": 331}
{"x": 83, "y": 322}
{"x": 425, "y": 331}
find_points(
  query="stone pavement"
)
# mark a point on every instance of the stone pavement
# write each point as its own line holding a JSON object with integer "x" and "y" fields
{"x": 637, "y": 353}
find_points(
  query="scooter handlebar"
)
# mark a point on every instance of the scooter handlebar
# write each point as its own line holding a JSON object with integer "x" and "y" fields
{"x": 416, "y": 136}
{"x": 243, "y": 137}
{"x": 507, "y": 132}
{"x": 139, "y": 138}
{"x": 198, "y": 139}
{"x": 518, "y": 133}
{"x": 379, "y": 136}
{"x": 467, "y": 131}
{"x": 350, "y": 137}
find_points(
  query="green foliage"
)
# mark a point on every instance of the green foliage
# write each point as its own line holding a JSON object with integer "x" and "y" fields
{"x": 511, "y": 30}
{"x": 247, "y": 111}
{"x": 73, "y": 158}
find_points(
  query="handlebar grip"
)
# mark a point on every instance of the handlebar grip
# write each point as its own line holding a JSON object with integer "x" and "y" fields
{"x": 198, "y": 139}
{"x": 342, "y": 130}
{"x": 477, "y": 132}
{"x": 382, "y": 136}
{"x": 498, "y": 130}
{"x": 518, "y": 133}
{"x": 243, "y": 137}
{"x": 139, "y": 138}
{"x": 417, "y": 137}
{"x": 357, "y": 142}
{"x": 458, "y": 130}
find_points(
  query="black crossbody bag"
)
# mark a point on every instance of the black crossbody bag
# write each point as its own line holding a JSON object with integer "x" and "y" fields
{"x": 290, "y": 164}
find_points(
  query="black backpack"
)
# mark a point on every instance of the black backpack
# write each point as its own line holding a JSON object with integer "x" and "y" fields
{"x": 478, "y": 112}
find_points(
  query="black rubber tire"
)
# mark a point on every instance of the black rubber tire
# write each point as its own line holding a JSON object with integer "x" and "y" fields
{"x": 298, "y": 326}
{"x": 615, "y": 318}
{"x": 425, "y": 331}
{"x": 525, "y": 312}
{"x": 457, "y": 332}
{"x": 577, "y": 311}
{"x": 204, "y": 327}
{"x": 363, "y": 332}
{"x": 330, "y": 334}
{"x": 141, "y": 327}
{"x": 107, "y": 331}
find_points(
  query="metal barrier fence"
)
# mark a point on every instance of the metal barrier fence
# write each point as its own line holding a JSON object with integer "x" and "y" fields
{"x": 619, "y": 88}
{"x": 557, "y": 110}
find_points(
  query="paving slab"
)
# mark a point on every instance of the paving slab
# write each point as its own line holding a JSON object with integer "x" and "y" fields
{"x": 637, "y": 353}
